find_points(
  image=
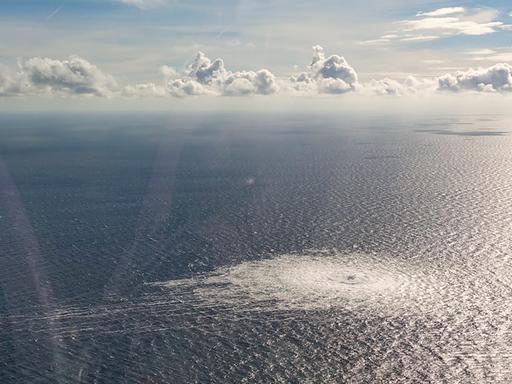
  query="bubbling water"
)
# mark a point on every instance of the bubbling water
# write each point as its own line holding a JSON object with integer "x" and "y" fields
{"x": 316, "y": 280}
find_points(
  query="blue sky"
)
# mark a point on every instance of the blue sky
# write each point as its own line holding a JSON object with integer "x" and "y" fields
{"x": 132, "y": 37}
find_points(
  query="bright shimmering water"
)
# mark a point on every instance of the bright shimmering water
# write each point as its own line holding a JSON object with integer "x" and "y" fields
{"x": 259, "y": 249}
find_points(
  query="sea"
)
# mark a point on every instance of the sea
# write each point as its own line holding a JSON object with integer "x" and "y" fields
{"x": 230, "y": 247}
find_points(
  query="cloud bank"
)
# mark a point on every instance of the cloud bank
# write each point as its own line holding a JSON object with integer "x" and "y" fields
{"x": 326, "y": 74}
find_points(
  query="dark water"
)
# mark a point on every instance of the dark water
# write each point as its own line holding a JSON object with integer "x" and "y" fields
{"x": 225, "y": 248}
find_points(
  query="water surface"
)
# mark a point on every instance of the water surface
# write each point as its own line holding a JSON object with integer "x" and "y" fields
{"x": 222, "y": 248}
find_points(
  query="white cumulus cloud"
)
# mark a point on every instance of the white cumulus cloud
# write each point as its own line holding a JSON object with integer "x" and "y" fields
{"x": 71, "y": 76}
{"x": 187, "y": 87}
{"x": 331, "y": 74}
{"x": 497, "y": 78}
{"x": 210, "y": 77}
{"x": 262, "y": 82}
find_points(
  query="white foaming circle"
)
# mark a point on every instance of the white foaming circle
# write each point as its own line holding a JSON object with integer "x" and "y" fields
{"x": 316, "y": 280}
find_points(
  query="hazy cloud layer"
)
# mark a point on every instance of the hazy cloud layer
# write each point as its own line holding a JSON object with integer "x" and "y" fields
{"x": 406, "y": 87}
{"x": 442, "y": 12}
{"x": 144, "y": 90}
{"x": 443, "y": 23}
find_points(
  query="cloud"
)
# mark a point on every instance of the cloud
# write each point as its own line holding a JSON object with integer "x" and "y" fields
{"x": 390, "y": 87}
{"x": 9, "y": 85}
{"x": 262, "y": 82}
{"x": 442, "y": 12}
{"x": 498, "y": 57}
{"x": 332, "y": 67}
{"x": 187, "y": 87}
{"x": 143, "y": 4}
{"x": 206, "y": 71}
{"x": 378, "y": 41}
{"x": 71, "y": 76}
{"x": 443, "y": 23}
{"x": 210, "y": 77}
{"x": 420, "y": 38}
{"x": 144, "y": 90}
{"x": 204, "y": 76}
{"x": 332, "y": 74}
{"x": 433, "y": 61}
{"x": 168, "y": 72}
{"x": 452, "y": 26}
{"x": 480, "y": 52}
{"x": 326, "y": 74}
{"x": 497, "y": 78}
{"x": 490, "y": 55}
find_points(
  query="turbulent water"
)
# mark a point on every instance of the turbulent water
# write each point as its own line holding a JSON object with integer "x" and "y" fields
{"x": 256, "y": 249}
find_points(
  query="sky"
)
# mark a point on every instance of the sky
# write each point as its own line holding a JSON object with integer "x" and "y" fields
{"x": 169, "y": 48}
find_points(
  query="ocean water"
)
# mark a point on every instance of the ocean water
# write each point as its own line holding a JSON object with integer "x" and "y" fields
{"x": 253, "y": 248}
